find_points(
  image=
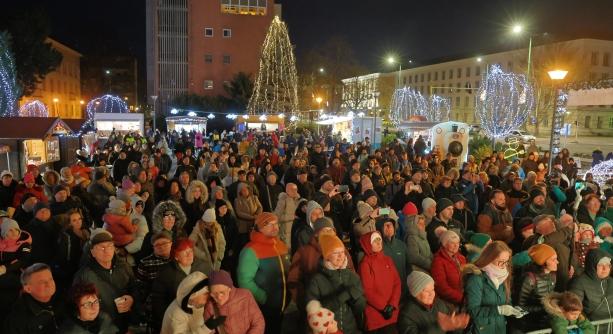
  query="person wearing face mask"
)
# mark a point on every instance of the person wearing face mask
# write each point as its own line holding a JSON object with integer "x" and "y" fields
{"x": 424, "y": 313}
{"x": 337, "y": 287}
{"x": 381, "y": 285}
{"x": 487, "y": 290}
{"x": 495, "y": 219}
{"x": 595, "y": 286}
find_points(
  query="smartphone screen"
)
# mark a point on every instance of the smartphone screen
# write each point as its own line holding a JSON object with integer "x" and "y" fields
{"x": 384, "y": 211}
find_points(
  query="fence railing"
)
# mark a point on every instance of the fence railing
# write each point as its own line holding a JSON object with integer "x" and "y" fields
{"x": 604, "y": 326}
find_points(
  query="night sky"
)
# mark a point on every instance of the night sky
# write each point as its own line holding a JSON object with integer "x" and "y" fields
{"x": 420, "y": 30}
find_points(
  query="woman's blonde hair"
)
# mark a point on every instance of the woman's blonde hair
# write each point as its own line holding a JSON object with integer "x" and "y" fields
{"x": 490, "y": 254}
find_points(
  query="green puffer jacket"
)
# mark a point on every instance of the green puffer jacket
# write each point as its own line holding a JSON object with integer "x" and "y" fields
{"x": 414, "y": 318}
{"x": 558, "y": 322}
{"x": 595, "y": 293}
{"x": 340, "y": 291}
{"x": 482, "y": 301}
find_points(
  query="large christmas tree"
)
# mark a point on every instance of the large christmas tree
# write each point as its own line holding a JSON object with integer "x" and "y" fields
{"x": 9, "y": 90}
{"x": 276, "y": 86}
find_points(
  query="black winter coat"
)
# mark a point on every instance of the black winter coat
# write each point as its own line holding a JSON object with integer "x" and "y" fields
{"x": 414, "y": 318}
{"x": 30, "y": 316}
{"x": 44, "y": 236}
{"x": 7, "y": 194}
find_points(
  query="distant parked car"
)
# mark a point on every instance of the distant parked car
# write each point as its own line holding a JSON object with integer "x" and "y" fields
{"x": 521, "y": 136}
{"x": 474, "y": 129}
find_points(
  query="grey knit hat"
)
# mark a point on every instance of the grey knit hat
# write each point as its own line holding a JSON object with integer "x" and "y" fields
{"x": 321, "y": 223}
{"x": 427, "y": 203}
{"x": 417, "y": 281}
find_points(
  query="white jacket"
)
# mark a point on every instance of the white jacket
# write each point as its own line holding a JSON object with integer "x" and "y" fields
{"x": 180, "y": 321}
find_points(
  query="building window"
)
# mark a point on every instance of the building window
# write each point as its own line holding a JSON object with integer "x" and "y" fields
{"x": 468, "y": 72}
{"x": 477, "y": 84}
{"x": 594, "y": 58}
{"x": 421, "y": 77}
{"x": 593, "y": 76}
{"x": 450, "y": 74}
{"x": 226, "y": 59}
{"x": 436, "y": 76}
{"x": 457, "y": 101}
{"x": 404, "y": 81}
{"x": 459, "y": 73}
{"x": 208, "y": 59}
{"x": 510, "y": 66}
{"x": 208, "y": 32}
{"x": 604, "y": 76}
{"x": 429, "y": 77}
{"x": 410, "y": 79}
{"x": 605, "y": 59}
{"x": 599, "y": 122}
{"x": 478, "y": 70}
{"x": 587, "y": 121}
{"x": 466, "y": 101}
{"x": 244, "y": 7}
{"x": 227, "y": 33}
{"x": 208, "y": 84}
{"x": 443, "y": 75}
{"x": 610, "y": 122}
{"x": 434, "y": 91}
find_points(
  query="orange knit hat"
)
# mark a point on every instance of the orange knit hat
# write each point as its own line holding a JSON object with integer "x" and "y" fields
{"x": 264, "y": 218}
{"x": 328, "y": 243}
{"x": 541, "y": 253}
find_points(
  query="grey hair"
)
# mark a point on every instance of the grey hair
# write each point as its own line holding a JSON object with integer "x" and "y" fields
{"x": 31, "y": 270}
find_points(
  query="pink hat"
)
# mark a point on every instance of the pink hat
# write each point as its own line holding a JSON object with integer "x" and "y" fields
{"x": 28, "y": 178}
{"x": 127, "y": 184}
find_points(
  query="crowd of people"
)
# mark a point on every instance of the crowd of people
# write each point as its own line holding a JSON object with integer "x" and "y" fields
{"x": 296, "y": 233}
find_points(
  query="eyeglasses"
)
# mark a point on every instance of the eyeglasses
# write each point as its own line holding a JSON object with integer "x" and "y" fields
{"x": 90, "y": 305}
{"x": 168, "y": 214}
{"x": 501, "y": 263}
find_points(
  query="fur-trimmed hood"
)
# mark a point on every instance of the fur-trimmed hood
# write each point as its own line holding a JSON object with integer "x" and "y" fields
{"x": 158, "y": 215}
{"x": 204, "y": 197}
{"x": 46, "y": 178}
{"x": 470, "y": 269}
{"x": 550, "y": 303}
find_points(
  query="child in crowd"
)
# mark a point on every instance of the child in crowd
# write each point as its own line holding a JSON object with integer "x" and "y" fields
{"x": 566, "y": 310}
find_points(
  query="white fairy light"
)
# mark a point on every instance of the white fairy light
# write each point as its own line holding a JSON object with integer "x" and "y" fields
{"x": 34, "y": 108}
{"x": 211, "y": 116}
{"x": 602, "y": 172}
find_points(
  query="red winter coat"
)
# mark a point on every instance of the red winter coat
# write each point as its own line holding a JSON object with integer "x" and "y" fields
{"x": 120, "y": 227}
{"x": 448, "y": 276}
{"x": 21, "y": 190}
{"x": 381, "y": 285}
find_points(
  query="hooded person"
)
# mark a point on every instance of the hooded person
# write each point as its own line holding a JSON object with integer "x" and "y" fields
{"x": 381, "y": 284}
{"x": 407, "y": 214}
{"x": 51, "y": 178}
{"x": 420, "y": 255}
{"x": 186, "y": 313}
{"x": 168, "y": 216}
{"x": 565, "y": 310}
{"x": 396, "y": 249}
{"x": 194, "y": 204}
{"x": 209, "y": 240}
{"x": 304, "y": 232}
{"x": 117, "y": 221}
{"x": 15, "y": 248}
{"x": 595, "y": 285}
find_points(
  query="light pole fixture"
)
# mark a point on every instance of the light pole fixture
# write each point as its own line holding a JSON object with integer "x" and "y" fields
{"x": 154, "y": 98}
{"x": 558, "y": 114}
{"x": 517, "y": 30}
{"x": 392, "y": 60}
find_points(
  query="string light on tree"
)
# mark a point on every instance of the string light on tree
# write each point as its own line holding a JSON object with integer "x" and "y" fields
{"x": 34, "y": 108}
{"x": 9, "y": 89}
{"x": 104, "y": 104}
{"x": 438, "y": 110}
{"x": 407, "y": 102}
{"x": 602, "y": 172}
{"x": 504, "y": 103}
{"x": 276, "y": 86}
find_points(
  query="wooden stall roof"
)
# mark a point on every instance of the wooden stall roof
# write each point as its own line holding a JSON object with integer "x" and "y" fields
{"x": 35, "y": 127}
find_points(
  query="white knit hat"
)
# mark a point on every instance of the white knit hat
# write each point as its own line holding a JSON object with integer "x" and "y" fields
{"x": 318, "y": 317}
{"x": 417, "y": 281}
{"x": 209, "y": 215}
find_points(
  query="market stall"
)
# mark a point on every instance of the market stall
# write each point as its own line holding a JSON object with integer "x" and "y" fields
{"x": 123, "y": 123}
{"x": 37, "y": 140}
{"x": 264, "y": 123}
{"x": 186, "y": 123}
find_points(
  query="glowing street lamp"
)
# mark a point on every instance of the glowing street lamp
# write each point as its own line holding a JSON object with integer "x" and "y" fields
{"x": 392, "y": 60}
{"x": 559, "y": 109}
{"x": 557, "y": 74}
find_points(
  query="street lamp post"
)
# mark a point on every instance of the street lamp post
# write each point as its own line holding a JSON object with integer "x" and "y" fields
{"x": 392, "y": 60}
{"x": 154, "y": 98}
{"x": 518, "y": 29}
{"x": 110, "y": 78}
{"x": 374, "y": 137}
{"x": 558, "y": 115}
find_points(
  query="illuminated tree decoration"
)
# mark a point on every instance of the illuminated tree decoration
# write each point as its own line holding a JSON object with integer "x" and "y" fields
{"x": 439, "y": 109}
{"x": 104, "y": 104}
{"x": 408, "y": 102}
{"x": 602, "y": 172}
{"x": 504, "y": 102}
{"x": 9, "y": 89}
{"x": 276, "y": 86}
{"x": 34, "y": 108}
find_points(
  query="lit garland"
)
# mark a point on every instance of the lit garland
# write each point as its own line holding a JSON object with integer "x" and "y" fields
{"x": 34, "y": 108}
{"x": 408, "y": 102}
{"x": 276, "y": 87}
{"x": 439, "y": 109}
{"x": 602, "y": 172}
{"x": 504, "y": 102}
{"x": 9, "y": 89}
{"x": 558, "y": 121}
{"x": 104, "y": 104}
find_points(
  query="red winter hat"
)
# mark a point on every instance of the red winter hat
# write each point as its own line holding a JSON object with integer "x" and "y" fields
{"x": 409, "y": 209}
{"x": 29, "y": 177}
